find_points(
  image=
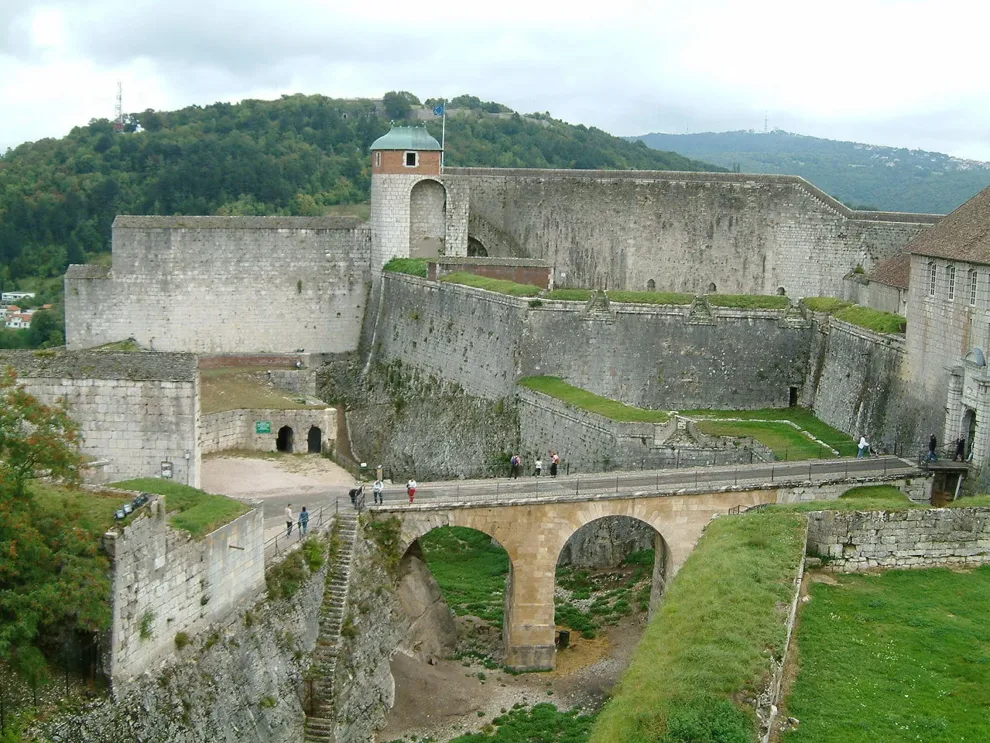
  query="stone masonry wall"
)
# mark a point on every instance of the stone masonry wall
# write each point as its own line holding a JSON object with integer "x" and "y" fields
{"x": 166, "y": 582}
{"x": 618, "y": 229}
{"x": 853, "y": 540}
{"x": 236, "y": 429}
{"x": 226, "y": 285}
{"x": 135, "y": 410}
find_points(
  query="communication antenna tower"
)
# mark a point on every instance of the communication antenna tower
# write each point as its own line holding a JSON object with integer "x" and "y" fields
{"x": 118, "y": 110}
{"x": 766, "y": 118}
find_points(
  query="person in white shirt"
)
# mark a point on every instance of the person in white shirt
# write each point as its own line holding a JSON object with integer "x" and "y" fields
{"x": 288, "y": 520}
{"x": 864, "y": 447}
{"x": 378, "y": 489}
{"x": 411, "y": 489}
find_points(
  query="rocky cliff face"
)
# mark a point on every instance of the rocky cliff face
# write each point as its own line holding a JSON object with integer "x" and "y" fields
{"x": 606, "y": 543}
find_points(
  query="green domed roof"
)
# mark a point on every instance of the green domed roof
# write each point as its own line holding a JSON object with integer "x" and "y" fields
{"x": 406, "y": 138}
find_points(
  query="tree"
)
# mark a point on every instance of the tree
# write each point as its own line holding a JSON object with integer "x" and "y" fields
{"x": 398, "y": 104}
{"x": 35, "y": 439}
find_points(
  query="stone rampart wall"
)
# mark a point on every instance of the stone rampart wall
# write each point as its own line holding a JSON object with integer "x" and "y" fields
{"x": 166, "y": 582}
{"x": 135, "y": 410}
{"x": 619, "y": 229}
{"x": 900, "y": 539}
{"x": 521, "y": 271}
{"x": 238, "y": 429}
{"x": 226, "y": 285}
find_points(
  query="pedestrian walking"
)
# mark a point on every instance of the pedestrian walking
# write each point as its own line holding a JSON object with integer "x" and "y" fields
{"x": 515, "y": 465}
{"x": 411, "y": 489}
{"x": 960, "y": 450}
{"x": 864, "y": 447}
{"x": 539, "y": 467}
{"x": 378, "y": 490}
{"x": 303, "y": 521}
{"x": 932, "y": 448}
{"x": 289, "y": 520}
{"x": 554, "y": 461}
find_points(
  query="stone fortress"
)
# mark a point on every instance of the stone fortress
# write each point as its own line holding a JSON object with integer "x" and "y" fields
{"x": 313, "y": 289}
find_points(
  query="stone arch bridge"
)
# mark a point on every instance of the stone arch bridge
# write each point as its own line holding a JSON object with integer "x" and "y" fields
{"x": 533, "y": 529}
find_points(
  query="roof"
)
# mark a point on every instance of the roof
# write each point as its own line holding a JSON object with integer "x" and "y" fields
{"x": 406, "y": 138}
{"x": 964, "y": 235}
{"x": 894, "y": 271}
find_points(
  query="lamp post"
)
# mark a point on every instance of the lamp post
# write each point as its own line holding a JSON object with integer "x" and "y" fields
{"x": 188, "y": 456}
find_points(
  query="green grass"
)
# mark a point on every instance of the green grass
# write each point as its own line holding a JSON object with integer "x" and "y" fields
{"x": 723, "y": 614}
{"x": 876, "y": 320}
{"x": 499, "y": 286}
{"x": 470, "y": 570}
{"x": 579, "y": 398}
{"x": 749, "y": 301}
{"x": 650, "y": 297}
{"x": 802, "y": 417}
{"x": 191, "y": 509}
{"x": 787, "y": 443}
{"x": 92, "y": 511}
{"x": 361, "y": 211}
{"x": 825, "y": 304}
{"x": 971, "y": 501}
{"x": 241, "y": 388}
{"x": 543, "y": 723}
{"x": 864, "y": 498}
{"x": 411, "y": 266}
{"x": 900, "y": 656}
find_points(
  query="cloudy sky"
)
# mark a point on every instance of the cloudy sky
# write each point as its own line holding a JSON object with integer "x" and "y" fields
{"x": 907, "y": 73}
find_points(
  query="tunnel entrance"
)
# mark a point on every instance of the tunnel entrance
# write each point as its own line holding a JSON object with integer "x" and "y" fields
{"x": 283, "y": 442}
{"x": 314, "y": 441}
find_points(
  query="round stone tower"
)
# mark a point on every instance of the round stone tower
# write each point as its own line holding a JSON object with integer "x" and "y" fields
{"x": 408, "y": 200}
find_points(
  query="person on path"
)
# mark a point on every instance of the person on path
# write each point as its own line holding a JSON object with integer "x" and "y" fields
{"x": 932, "y": 447}
{"x": 289, "y": 520}
{"x": 516, "y": 464}
{"x": 864, "y": 447}
{"x": 554, "y": 461}
{"x": 411, "y": 489}
{"x": 960, "y": 450}
{"x": 539, "y": 467}
{"x": 378, "y": 490}
{"x": 303, "y": 521}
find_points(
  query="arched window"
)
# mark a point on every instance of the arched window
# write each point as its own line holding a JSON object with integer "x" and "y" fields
{"x": 651, "y": 286}
{"x": 932, "y": 277}
{"x": 950, "y": 272}
{"x": 780, "y": 291}
{"x": 712, "y": 288}
{"x": 972, "y": 287}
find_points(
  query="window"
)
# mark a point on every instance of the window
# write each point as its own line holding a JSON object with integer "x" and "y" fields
{"x": 651, "y": 285}
{"x": 950, "y": 272}
{"x": 932, "y": 276}
{"x": 972, "y": 287}
{"x": 378, "y": 159}
{"x": 412, "y": 159}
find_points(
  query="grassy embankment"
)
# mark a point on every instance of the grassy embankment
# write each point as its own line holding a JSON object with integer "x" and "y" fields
{"x": 710, "y": 642}
{"x": 864, "y": 498}
{"x": 411, "y": 266}
{"x": 499, "y": 286}
{"x": 899, "y": 656}
{"x": 192, "y": 509}
{"x": 92, "y": 511}
{"x": 579, "y": 398}
{"x": 864, "y": 317}
{"x": 623, "y": 297}
{"x": 239, "y": 388}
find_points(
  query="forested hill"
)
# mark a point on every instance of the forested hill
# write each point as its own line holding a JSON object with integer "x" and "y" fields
{"x": 861, "y": 175}
{"x": 301, "y": 155}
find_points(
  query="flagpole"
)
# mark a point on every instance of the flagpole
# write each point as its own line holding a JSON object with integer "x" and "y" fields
{"x": 443, "y": 134}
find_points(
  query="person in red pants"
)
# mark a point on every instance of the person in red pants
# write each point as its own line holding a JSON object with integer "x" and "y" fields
{"x": 411, "y": 489}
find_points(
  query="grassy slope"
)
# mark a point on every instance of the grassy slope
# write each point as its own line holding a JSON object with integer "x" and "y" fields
{"x": 900, "y": 656}
{"x": 579, "y": 398}
{"x": 864, "y": 317}
{"x": 499, "y": 286}
{"x": 725, "y": 609}
{"x": 236, "y": 389}
{"x": 192, "y": 509}
{"x": 799, "y": 416}
{"x": 93, "y": 511}
{"x": 864, "y": 498}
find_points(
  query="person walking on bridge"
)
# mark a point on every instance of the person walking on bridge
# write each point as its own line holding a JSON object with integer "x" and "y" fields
{"x": 411, "y": 489}
{"x": 303, "y": 521}
{"x": 378, "y": 491}
{"x": 864, "y": 447}
{"x": 932, "y": 447}
{"x": 554, "y": 461}
{"x": 515, "y": 465}
{"x": 289, "y": 520}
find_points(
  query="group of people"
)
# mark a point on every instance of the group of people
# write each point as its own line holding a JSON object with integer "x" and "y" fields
{"x": 960, "y": 450}
{"x": 516, "y": 463}
{"x": 290, "y": 521}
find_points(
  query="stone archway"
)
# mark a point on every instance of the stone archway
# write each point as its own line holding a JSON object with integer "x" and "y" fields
{"x": 427, "y": 219}
{"x": 476, "y": 249}
{"x": 314, "y": 440}
{"x": 285, "y": 440}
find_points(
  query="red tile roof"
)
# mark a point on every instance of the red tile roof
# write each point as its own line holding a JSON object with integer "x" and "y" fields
{"x": 894, "y": 271}
{"x": 964, "y": 235}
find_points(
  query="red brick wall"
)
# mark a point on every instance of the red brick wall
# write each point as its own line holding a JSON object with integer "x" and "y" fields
{"x": 392, "y": 163}
{"x": 536, "y": 275}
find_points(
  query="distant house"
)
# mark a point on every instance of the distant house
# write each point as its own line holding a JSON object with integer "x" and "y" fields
{"x": 17, "y": 319}
{"x": 8, "y": 297}
{"x": 885, "y": 287}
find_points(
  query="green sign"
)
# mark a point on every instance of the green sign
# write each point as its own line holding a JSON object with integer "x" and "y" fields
{"x": 262, "y": 426}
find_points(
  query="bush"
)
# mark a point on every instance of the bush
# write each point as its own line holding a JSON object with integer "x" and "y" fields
{"x": 285, "y": 579}
{"x": 181, "y": 640}
{"x": 313, "y": 554}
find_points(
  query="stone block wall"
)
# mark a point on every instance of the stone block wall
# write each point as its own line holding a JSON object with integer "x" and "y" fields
{"x": 618, "y": 229}
{"x": 226, "y": 285}
{"x": 135, "y": 410}
{"x": 900, "y": 539}
{"x": 166, "y": 582}
{"x": 237, "y": 429}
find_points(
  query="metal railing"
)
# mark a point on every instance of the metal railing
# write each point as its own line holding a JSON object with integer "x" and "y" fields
{"x": 318, "y": 521}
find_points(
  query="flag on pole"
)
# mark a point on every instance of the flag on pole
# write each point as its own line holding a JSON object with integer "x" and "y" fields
{"x": 439, "y": 110}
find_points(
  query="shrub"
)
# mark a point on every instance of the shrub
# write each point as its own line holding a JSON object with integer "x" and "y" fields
{"x": 386, "y": 534}
{"x": 181, "y": 640}
{"x": 144, "y": 629}
{"x": 313, "y": 554}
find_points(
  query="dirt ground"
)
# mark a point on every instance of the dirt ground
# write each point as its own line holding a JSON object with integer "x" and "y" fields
{"x": 453, "y": 697}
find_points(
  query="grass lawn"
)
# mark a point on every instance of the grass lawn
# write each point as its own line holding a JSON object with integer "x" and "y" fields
{"x": 93, "y": 511}
{"x": 825, "y": 304}
{"x": 238, "y": 388}
{"x": 865, "y": 317}
{"x": 579, "y": 398}
{"x": 749, "y": 301}
{"x": 865, "y": 498}
{"x": 582, "y": 295}
{"x": 788, "y": 444}
{"x": 411, "y": 266}
{"x": 499, "y": 286}
{"x": 899, "y": 656}
{"x": 470, "y": 570}
{"x": 191, "y": 509}
{"x": 802, "y": 417}
{"x": 543, "y": 723}
{"x": 971, "y": 501}
{"x": 361, "y": 211}
{"x": 724, "y": 612}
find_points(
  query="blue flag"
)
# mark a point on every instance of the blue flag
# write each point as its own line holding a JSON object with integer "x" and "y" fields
{"x": 438, "y": 111}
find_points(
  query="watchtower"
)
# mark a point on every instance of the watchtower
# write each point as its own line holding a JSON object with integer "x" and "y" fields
{"x": 408, "y": 198}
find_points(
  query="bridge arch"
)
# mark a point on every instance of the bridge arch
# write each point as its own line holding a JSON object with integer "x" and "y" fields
{"x": 427, "y": 219}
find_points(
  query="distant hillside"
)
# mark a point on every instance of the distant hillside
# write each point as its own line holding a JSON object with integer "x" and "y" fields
{"x": 862, "y": 175}
{"x": 300, "y": 155}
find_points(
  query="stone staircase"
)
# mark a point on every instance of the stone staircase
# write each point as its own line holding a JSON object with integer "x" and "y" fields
{"x": 319, "y": 715}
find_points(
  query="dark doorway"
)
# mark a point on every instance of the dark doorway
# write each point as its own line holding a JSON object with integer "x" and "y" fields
{"x": 792, "y": 398}
{"x": 651, "y": 285}
{"x": 969, "y": 431}
{"x": 476, "y": 249}
{"x": 314, "y": 440}
{"x": 284, "y": 440}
